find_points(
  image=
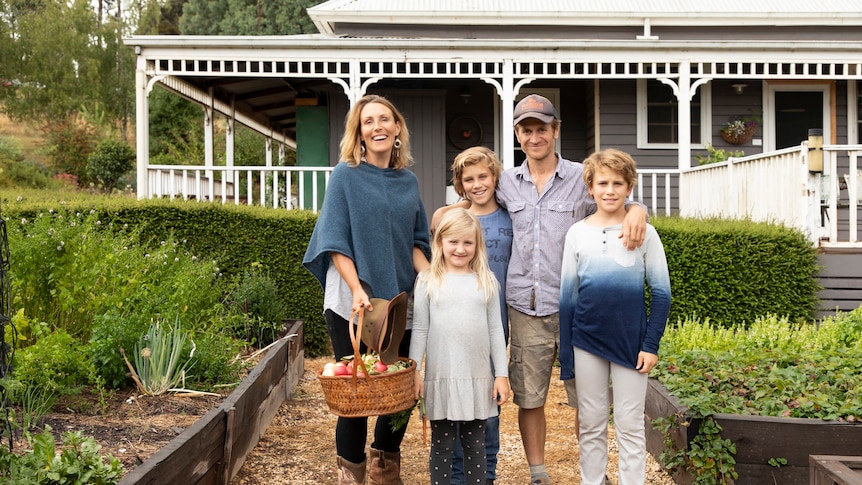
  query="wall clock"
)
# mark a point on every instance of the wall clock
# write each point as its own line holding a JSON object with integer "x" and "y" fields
{"x": 465, "y": 132}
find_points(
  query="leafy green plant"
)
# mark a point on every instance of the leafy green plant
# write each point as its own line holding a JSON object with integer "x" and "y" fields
{"x": 772, "y": 368}
{"x": 111, "y": 160}
{"x": 777, "y": 463}
{"x": 717, "y": 155}
{"x": 78, "y": 462}
{"x": 55, "y": 363}
{"x": 159, "y": 362}
{"x": 256, "y": 296}
{"x": 709, "y": 458}
{"x": 33, "y": 402}
{"x": 215, "y": 358}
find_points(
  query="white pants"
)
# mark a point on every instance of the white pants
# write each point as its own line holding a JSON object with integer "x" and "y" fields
{"x": 592, "y": 376}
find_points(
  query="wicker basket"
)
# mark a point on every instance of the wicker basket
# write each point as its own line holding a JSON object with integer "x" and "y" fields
{"x": 372, "y": 395}
{"x": 375, "y": 395}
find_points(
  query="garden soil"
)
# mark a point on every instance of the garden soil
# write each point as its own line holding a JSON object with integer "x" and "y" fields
{"x": 298, "y": 445}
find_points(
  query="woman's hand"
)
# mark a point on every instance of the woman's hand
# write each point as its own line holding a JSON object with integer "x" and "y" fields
{"x": 360, "y": 300}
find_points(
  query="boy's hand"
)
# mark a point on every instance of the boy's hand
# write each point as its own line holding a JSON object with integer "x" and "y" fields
{"x": 501, "y": 390}
{"x": 634, "y": 227}
{"x": 646, "y": 361}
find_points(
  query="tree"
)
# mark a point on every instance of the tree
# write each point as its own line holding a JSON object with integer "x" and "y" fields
{"x": 247, "y": 17}
{"x": 60, "y": 61}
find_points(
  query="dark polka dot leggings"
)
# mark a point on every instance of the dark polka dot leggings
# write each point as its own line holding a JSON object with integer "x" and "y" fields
{"x": 443, "y": 436}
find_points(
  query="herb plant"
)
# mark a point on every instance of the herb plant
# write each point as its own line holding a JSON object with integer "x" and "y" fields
{"x": 77, "y": 462}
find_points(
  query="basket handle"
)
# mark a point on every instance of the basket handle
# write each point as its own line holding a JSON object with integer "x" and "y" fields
{"x": 357, "y": 357}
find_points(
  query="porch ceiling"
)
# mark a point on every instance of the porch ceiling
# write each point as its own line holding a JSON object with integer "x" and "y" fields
{"x": 268, "y": 100}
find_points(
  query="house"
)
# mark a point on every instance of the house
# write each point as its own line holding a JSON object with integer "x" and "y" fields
{"x": 638, "y": 75}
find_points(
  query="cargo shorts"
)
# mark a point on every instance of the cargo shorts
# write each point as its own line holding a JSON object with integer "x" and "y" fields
{"x": 532, "y": 353}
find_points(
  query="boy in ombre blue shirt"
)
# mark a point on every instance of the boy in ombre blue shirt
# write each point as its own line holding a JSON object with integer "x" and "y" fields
{"x": 605, "y": 330}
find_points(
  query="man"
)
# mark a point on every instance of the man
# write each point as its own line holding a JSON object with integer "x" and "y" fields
{"x": 544, "y": 197}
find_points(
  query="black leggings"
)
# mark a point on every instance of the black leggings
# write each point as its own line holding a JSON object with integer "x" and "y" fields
{"x": 471, "y": 435}
{"x": 351, "y": 433}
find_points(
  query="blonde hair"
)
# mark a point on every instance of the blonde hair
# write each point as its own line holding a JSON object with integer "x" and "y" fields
{"x": 474, "y": 156}
{"x": 458, "y": 221}
{"x": 351, "y": 142}
{"x": 612, "y": 159}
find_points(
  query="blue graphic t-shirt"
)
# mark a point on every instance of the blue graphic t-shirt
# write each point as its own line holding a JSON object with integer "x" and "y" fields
{"x": 497, "y": 229}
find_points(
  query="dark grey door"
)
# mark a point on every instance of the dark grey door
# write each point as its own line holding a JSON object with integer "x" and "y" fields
{"x": 795, "y": 113}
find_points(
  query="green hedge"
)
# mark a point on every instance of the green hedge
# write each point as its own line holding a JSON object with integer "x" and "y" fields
{"x": 732, "y": 272}
{"x": 729, "y": 272}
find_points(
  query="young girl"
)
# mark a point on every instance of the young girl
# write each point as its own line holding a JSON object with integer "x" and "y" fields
{"x": 475, "y": 173}
{"x": 458, "y": 332}
{"x": 604, "y": 320}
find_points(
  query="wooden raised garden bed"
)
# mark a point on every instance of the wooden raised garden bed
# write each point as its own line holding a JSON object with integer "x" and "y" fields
{"x": 757, "y": 439}
{"x": 213, "y": 450}
{"x": 832, "y": 470}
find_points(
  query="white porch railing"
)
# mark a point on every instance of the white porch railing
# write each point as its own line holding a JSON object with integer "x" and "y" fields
{"x": 658, "y": 189}
{"x": 254, "y": 185}
{"x": 771, "y": 187}
{"x": 777, "y": 187}
{"x": 285, "y": 187}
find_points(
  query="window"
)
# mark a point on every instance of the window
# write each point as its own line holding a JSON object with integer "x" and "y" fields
{"x": 658, "y": 113}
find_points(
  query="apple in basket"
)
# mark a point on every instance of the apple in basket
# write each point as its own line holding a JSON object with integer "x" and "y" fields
{"x": 328, "y": 369}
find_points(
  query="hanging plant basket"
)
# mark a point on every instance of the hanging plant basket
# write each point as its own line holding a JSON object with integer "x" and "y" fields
{"x": 735, "y": 137}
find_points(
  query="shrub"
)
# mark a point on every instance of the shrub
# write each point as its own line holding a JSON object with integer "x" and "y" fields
{"x": 56, "y": 363}
{"x": 734, "y": 272}
{"x": 216, "y": 358}
{"x": 257, "y": 298}
{"x": 717, "y": 155}
{"x": 16, "y": 171}
{"x": 109, "y": 162}
{"x": 70, "y": 142}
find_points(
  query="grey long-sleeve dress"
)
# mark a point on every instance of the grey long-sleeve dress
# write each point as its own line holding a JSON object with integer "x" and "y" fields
{"x": 459, "y": 334}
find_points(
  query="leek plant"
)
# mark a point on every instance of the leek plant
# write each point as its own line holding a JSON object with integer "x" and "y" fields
{"x": 159, "y": 363}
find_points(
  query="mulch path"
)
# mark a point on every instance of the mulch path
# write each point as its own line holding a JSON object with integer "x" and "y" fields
{"x": 299, "y": 444}
{"x": 298, "y": 447}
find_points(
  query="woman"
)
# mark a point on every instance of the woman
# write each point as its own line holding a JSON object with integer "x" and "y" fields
{"x": 370, "y": 240}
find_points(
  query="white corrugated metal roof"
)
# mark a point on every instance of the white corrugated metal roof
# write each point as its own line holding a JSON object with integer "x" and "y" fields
{"x": 634, "y": 7}
{"x": 588, "y": 12}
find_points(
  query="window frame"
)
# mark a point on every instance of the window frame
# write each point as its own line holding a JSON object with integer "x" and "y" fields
{"x": 643, "y": 119}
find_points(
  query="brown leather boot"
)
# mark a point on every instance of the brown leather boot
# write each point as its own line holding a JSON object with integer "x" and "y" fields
{"x": 385, "y": 468}
{"x": 350, "y": 473}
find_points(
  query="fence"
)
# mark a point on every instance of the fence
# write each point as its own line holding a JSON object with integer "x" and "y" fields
{"x": 285, "y": 187}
